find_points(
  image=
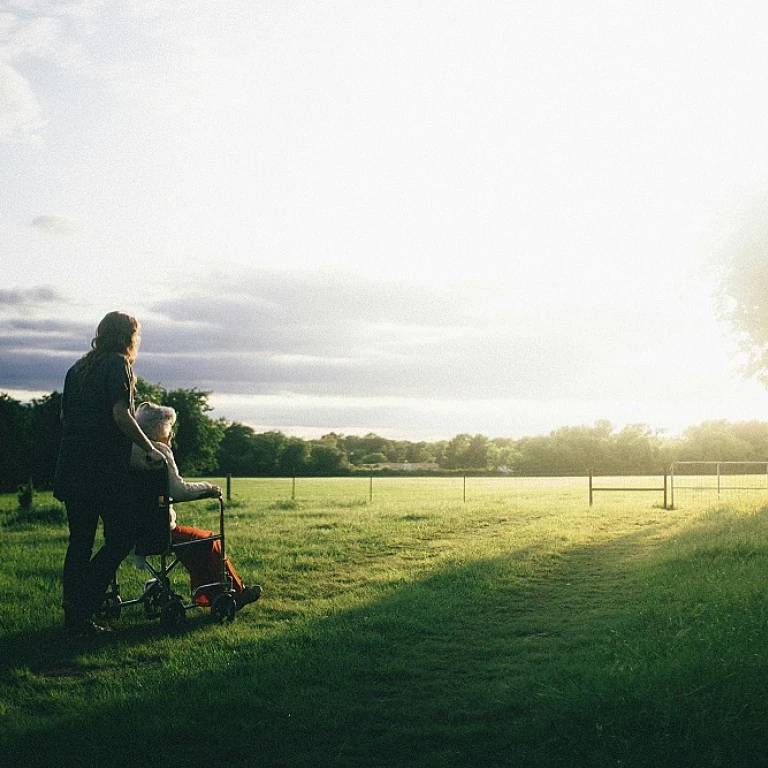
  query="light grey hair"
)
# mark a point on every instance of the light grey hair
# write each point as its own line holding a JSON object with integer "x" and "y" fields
{"x": 156, "y": 421}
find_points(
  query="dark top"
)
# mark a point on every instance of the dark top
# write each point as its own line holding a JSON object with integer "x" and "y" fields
{"x": 94, "y": 453}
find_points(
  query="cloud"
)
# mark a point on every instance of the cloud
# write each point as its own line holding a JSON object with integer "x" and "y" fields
{"x": 20, "y": 114}
{"x": 44, "y": 31}
{"x": 37, "y": 343}
{"x": 29, "y": 297}
{"x": 311, "y": 331}
{"x": 332, "y": 344}
{"x": 48, "y": 30}
{"x": 314, "y": 334}
{"x": 36, "y": 353}
{"x": 329, "y": 335}
{"x": 35, "y": 370}
{"x": 56, "y": 225}
{"x": 321, "y": 334}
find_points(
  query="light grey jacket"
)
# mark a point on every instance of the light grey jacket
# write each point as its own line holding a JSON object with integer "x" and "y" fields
{"x": 178, "y": 488}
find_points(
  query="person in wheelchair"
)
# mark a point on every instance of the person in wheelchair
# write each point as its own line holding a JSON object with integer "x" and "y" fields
{"x": 202, "y": 562}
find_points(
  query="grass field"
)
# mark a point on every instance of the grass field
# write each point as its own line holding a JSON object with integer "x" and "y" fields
{"x": 521, "y": 628}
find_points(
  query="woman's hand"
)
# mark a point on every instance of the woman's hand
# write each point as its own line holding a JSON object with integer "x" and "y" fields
{"x": 215, "y": 492}
{"x": 126, "y": 423}
{"x": 154, "y": 457}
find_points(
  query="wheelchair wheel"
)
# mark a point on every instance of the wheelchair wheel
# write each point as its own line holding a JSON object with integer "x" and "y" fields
{"x": 173, "y": 615}
{"x": 224, "y": 608}
{"x": 154, "y": 598}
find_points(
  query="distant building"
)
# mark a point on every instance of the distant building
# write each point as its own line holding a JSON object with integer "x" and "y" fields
{"x": 419, "y": 466}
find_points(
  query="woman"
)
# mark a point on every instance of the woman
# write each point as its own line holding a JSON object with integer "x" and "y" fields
{"x": 91, "y": 476}
{"x": 204, "y": 560}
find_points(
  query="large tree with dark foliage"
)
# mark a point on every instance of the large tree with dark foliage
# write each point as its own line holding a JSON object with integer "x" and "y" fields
{"x": 197, "y": 439}
{"x": 15, "y": 441}
{"x": 45, "y": 436}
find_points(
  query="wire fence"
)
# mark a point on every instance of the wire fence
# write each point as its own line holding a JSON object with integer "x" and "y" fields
{"x": 707, "y": 482}
{"x": 368, "y": 488}
{"x": 685, "y": 484}
{"x": 456, "y": 488}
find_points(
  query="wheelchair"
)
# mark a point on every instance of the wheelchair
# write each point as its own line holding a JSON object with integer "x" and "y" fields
{"x": 155, "y": 543}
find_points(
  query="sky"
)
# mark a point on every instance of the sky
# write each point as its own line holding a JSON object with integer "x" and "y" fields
{"x": 411, "y": 218}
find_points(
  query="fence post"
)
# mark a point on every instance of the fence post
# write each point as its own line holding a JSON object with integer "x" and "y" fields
{"x": 229, "y": 488}
{"x": 672, "y": 485}
{"x": 590, "y": 487}
{"x": 665, "y": 489}
{"x": 293, "y": 488}
{"x": 370, "y": 489}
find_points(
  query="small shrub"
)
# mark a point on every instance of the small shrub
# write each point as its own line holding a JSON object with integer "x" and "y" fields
{"x": 26, "y": 496}
{"x": 52, "y": 514}
{"x": 349, "y": 503}
{"x": 287, "y": 505}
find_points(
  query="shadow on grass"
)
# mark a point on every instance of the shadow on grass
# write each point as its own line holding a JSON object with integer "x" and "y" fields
{"x": 590, "y": 658}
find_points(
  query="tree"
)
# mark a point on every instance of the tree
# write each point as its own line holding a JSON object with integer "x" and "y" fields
{"x": 15, "y": 439}
{"x": 637, "y": 448}
{"x": 582, "y": 448}
{"x": 418, "y": 453}
{"x": 374, "y": 458}
{"x": 503, "y": 453}
{"x": 754, "y": 433}
{"x": 744, "y": 300}
{"x": 267, "y": 448}
{"x": 439, "y": 449}
{"x": 44, "y": 422}
{"x": 326, "y": 458}
{"x": 246, "y": 454}
{"x": 455, "y": 452}
{"x": 235, "y": 451}
{"x": 476, "y": 455}
{"x": 716, "y": 441}
{"x": 295, "y": 457}
{"x": 397, "y": 452}
{"x": 536, "y": 455}
{"x": 149, "y": 393}
{"x": 197, "y": 440}
{"x": 357, "y": 448}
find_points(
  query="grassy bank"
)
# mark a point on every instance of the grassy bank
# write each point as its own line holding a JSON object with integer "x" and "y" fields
{"x": 519, "y": 628}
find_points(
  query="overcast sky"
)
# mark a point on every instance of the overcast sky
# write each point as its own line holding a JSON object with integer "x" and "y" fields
{"x": 415, "y": 218}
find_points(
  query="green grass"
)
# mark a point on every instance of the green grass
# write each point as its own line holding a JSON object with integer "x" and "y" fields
{"x": 521, "y": 628}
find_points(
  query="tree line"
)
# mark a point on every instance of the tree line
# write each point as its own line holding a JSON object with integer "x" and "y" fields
{"x": 31, "y": 432}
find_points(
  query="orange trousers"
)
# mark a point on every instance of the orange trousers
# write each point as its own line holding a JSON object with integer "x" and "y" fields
{"x": 203, "y": 561}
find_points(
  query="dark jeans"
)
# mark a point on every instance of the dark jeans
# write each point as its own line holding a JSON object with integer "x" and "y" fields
{"x": 86, "y": 578}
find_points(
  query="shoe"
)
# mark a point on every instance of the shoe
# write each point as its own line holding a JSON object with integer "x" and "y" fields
{"x": 247, "y": 596}
{"x": 111, "y": 608}
{"x": 85, "y": 628}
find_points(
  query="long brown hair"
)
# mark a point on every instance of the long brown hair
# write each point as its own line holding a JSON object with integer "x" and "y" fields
{"x": 117, "y": 332}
